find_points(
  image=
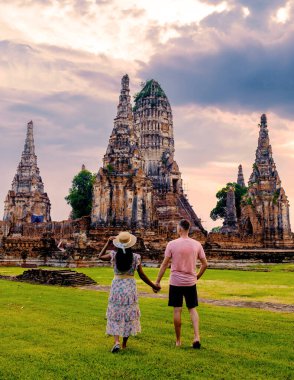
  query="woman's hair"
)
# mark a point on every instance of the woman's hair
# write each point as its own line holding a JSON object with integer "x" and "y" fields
{"x": 124, "y": 261}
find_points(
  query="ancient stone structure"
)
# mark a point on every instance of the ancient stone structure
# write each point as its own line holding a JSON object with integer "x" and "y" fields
{"x": 240, "y": 178}
{"x": 122, "y": 194}
{"x": 265, "y": 207}
{"x": 230, "y": 222}
{"x": 154, "y": 127}
{"x": 56, "y": 277}
{"x": 27, "y": 201}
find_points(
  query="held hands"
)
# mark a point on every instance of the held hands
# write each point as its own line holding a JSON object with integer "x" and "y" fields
{"x": 156, "y": 287}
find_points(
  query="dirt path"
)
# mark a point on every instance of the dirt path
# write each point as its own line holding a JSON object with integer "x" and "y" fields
{"x": 277, "y": 307}
{"x": 285, "y": 308}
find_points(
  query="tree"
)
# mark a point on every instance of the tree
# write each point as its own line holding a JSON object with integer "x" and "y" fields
{"x": 80, "y": 194}
{"x": 219, "y": 211}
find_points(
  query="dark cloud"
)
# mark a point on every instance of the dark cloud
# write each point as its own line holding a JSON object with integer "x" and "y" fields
{"x": 236, "y": 74}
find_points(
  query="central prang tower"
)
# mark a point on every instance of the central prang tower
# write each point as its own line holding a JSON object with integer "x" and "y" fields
{"x": 154, "y": 127}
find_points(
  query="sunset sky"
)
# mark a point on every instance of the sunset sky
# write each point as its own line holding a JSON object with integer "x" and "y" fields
{"x": 221, "y": 63}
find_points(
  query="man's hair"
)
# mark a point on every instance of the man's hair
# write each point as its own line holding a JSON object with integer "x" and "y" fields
{"x": 185, "y": 224}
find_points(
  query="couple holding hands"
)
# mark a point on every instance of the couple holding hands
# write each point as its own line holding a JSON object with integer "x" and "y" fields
{"x": 123, "y": 313}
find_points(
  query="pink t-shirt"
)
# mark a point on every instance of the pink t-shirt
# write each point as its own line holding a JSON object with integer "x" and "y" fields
{"x": 184, "y": 253}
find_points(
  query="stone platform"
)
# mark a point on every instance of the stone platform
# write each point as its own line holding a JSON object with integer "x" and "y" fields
{"x": 55, "y": 277}
{"x": 265, "y": 255}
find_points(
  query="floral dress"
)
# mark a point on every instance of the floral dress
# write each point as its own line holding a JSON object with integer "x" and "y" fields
{"x": 123, "y": 313}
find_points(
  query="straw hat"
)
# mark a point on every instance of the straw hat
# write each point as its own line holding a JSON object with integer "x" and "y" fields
{"x": 124, "y": 240}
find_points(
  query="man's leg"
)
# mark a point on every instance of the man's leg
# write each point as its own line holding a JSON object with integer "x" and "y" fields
{"x": 195, "y": 321}
{"x": 178, "y": 324}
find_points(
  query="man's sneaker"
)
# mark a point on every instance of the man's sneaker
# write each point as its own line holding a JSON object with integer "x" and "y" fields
{"x": 196, "y": 345}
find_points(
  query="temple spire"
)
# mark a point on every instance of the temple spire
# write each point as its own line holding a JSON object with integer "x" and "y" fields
{"x": 240, "y": 179}
{"x": 27, "y": 201}
{"x": 265, "y": 207}
{"x": 122, "y": 151}
{"x": 29, "y": 147}
{"x": 124, "y": 108}
{"x": 230, "y": 221}
{"x": 264, "y": 167}
{"x": 122, "y": 193}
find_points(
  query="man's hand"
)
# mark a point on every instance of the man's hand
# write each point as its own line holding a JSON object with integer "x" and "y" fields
{"x": 157, "y": 287}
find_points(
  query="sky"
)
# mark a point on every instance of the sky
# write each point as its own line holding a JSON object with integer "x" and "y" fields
{"x": 221, "y": 63}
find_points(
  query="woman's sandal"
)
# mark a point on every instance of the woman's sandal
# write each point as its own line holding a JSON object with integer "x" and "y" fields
{"x": 115, "y": 348}
{"x": 196, "y": 345}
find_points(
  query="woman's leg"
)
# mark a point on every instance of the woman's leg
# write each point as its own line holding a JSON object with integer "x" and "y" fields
{"x": 116, "y": 346}
{"x": 125, "y": 339}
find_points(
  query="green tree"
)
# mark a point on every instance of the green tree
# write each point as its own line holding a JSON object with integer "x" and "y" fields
{"x": 219, "y": 211}
{"x": 80, "y": 194}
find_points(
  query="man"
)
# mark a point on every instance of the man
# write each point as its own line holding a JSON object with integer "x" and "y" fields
{"x": 183, "y": 254}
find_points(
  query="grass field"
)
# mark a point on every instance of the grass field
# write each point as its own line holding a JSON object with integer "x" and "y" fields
{"x": 275, "y": 286}
{"x": 59, "y": 333}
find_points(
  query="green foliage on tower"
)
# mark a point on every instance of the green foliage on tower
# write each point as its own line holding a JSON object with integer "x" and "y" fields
{"x": 147, "y": 91}
{"x": 219, "y": 211}
{"x": 80, "y": 194}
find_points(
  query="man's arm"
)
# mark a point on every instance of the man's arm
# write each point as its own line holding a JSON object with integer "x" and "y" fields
{"x": 202, "y": 268}
{"x": 162, "y": 269}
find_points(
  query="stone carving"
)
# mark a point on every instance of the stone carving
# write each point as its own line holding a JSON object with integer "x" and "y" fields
{"x": 27, "y": 201}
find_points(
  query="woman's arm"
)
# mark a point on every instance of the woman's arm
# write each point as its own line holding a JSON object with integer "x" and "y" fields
{"x": 102, "y": 255}
{"x": 144, "y": 278}
{"x": 106, "y": 257}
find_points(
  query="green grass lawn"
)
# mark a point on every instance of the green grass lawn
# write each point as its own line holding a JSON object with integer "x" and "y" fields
{"x": 275, "y": 286}
{"x": 59, "y": 333}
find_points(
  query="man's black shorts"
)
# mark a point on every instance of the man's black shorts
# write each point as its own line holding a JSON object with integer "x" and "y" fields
{"x": 176, "y": 294}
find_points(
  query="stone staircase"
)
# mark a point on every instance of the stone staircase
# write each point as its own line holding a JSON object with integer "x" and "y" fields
{"x": 56, "y": 277}
{"x": 190, "y": 211}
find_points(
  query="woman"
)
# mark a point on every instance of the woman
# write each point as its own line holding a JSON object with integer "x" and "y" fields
{"x": 123, "y": 313}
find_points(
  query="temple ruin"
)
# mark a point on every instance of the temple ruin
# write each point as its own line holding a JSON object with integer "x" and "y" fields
{"x": 27, "y": 200}
{"x": 230, "y": 222}
{"x": 265, "y": 207}
{"x": 140, "y": 183}
{"x": 240, "y": 178}
{"x": 122, "y": 193}
{"x": 139, "y": 187}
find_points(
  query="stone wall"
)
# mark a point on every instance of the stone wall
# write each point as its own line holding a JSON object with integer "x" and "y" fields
{"x": 217, "y": 239}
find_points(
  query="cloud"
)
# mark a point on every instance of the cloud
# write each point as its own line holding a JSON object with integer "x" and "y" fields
{"x": 221, "y": 63}
{"x": 237, "y": 73}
